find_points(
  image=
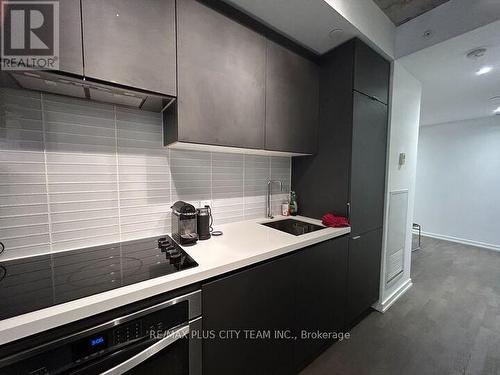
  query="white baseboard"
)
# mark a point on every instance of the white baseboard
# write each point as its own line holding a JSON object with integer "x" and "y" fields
{"x": 389, "y": 301}
{"x": 463, "y": 241}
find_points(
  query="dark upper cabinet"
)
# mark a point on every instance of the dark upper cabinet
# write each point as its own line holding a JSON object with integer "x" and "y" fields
{"x": 368, "y": 161}
{"x": 321, "y": 286}
{"x": 221, "y": 78}
{"x": 372, "y": 73}
{"x": 131, "y": 43}
{"x": 292, "y": 91}
{"x": 70, "y": 37}
{"x": 260, "y": 298}
{"x": 322, "y": 181}
{"x": 238, "y": 88}
{"x": 363, "y": 273}
{"x": 347, "y": 175}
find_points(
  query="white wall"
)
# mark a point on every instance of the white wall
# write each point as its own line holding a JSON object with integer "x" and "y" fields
{"x": 404, "y": 126}
{"x": 458, "y": 181}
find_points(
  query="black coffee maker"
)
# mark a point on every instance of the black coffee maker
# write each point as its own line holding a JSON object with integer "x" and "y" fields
{"x": 184, "y": 223}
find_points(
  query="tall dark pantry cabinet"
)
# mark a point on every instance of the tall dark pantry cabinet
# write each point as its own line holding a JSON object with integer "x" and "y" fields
{"x": 347, "y": 175}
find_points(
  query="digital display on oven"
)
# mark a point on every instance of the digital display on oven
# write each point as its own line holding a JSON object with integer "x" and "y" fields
{"x": 97, "y": 341}
{"x": 89, "y": 346}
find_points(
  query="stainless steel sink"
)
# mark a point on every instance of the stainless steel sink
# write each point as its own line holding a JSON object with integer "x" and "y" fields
{"x": 292, "y": 226}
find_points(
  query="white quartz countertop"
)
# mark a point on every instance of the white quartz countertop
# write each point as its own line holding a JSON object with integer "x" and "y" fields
{"x": 243, "y": 243}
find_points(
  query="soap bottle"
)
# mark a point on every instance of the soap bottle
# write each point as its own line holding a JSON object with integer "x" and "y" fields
{"x": 285, "y": 208}
{"x": 294, "y": 207}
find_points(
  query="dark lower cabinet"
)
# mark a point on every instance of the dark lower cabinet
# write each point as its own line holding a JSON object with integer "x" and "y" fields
{"x": 304, "y": 291}
{"x": 321, "y": 285}
{"x": 363, "y": 273}
{"x": 258, "y": 299}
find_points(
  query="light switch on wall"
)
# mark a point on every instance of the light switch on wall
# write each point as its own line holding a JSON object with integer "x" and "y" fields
{"x": 402, "y": 159}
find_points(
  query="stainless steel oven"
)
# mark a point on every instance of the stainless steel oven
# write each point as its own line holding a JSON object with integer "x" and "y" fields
{"x": 158, "y": 339}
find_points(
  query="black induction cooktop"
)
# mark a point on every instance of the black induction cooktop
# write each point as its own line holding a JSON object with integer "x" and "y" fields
{"x": 34, "y": 283}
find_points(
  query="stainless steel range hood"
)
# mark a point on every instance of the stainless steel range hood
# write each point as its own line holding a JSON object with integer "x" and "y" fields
{"x": 57, "y": 83}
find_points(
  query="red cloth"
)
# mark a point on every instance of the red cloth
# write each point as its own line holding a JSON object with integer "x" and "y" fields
{"x": 330, "y": 220}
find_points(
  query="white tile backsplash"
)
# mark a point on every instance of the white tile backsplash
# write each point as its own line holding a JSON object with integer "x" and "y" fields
{"x": 74, "y": 173}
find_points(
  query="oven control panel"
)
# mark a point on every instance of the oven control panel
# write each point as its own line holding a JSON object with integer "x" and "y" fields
{"x": 127, "y": 332}
{"x": 111, "y": 339}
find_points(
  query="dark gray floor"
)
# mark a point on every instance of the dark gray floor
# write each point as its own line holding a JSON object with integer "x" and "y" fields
{"x": 447, "y": 323}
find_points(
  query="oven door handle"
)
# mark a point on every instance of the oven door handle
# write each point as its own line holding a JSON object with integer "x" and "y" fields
{"x": 158, "y": 346}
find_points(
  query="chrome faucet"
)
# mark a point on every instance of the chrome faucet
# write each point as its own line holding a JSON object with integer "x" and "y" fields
{"x": 269, "y": 193}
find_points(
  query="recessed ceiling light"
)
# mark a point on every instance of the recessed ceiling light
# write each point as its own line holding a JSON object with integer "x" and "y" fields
{"x": 428, "y": 34}
{"x": 497, "y": 111}
{"x": 334, "y": 32}
{"x": 484, "y": 70}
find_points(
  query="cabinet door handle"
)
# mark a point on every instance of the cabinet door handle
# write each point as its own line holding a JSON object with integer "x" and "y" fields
{"x": 356, "y": 237}
{"x": 348, "y": 211}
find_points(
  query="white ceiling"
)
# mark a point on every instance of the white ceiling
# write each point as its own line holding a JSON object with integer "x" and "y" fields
{"x": 451, "y": 89}
{"x": 308, "y": 22}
